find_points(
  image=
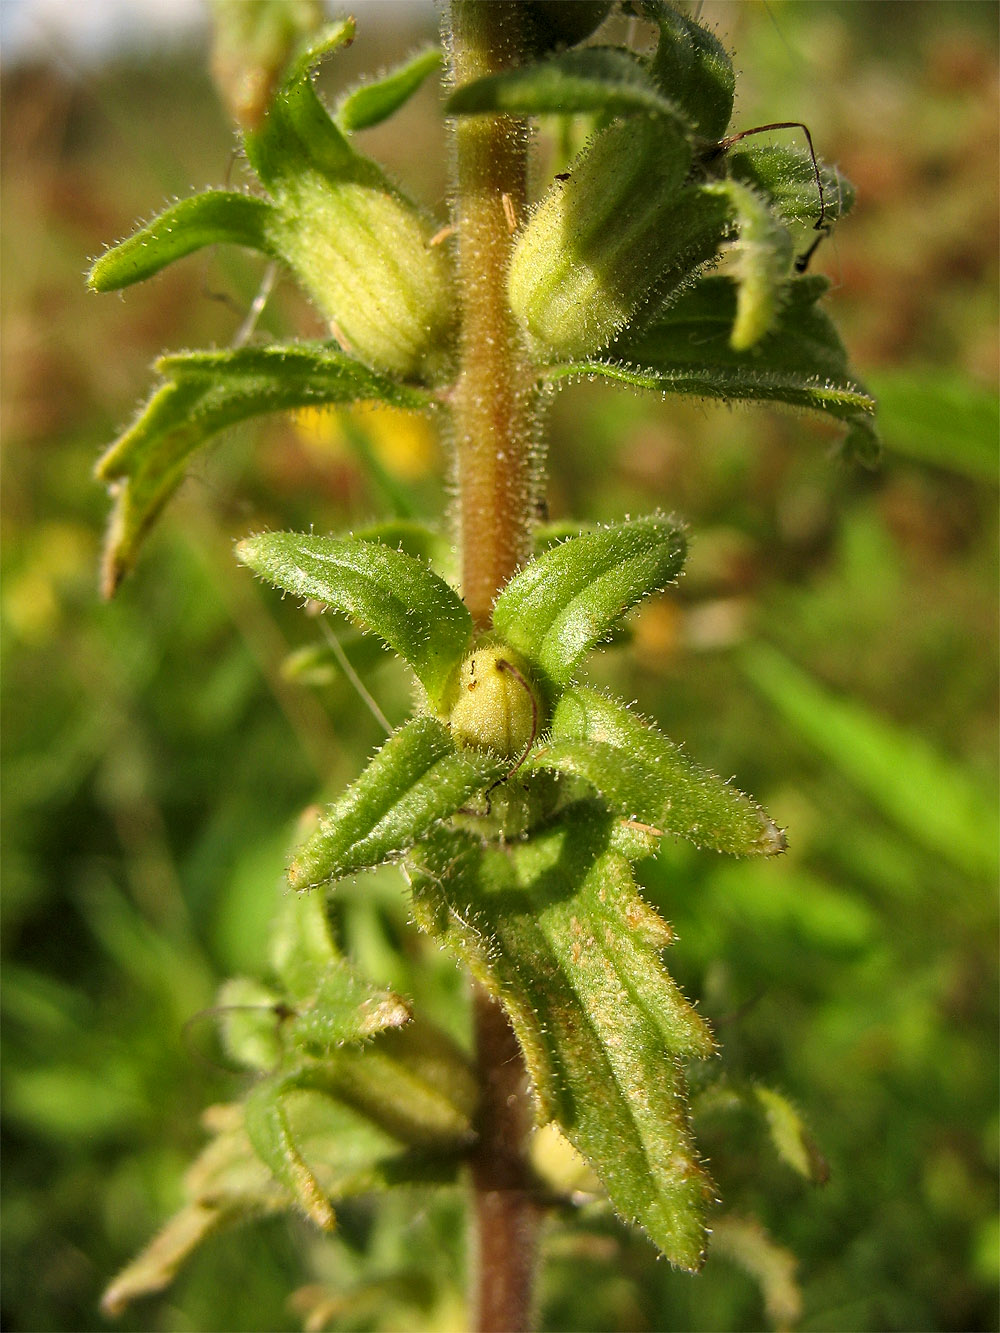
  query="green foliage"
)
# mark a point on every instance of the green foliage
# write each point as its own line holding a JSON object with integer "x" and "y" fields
{"x": 386, "y": 591}
{"x": 376, "y": 101}
{"x": 206, "y": 392}
{"x": 556, "y": 930}
{"x": 864, "y": 947}
{"x": 553, "y": 926}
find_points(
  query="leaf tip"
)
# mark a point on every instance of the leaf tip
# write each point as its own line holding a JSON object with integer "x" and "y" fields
{"x": 247, "y": 550}
{"x": 773, "y": 840}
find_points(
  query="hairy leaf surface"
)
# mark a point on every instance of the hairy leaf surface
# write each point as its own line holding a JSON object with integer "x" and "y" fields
{"x": 688, "y": 350}
{"x": 692, "y": 65}
{"x": 417, "y": 779}
{"x": 376, "y": 101}
{"x": 569, "y": 599}
{"x": 212, "y": 218}
{"x": 555, "y": 928}
{"x": 785, "y": 177}
{"x": 388, "y": 592}
{"x": 594, "y": 79}
{"x": 229, "y": 1182}
{"x": 643, "y": 776}
{"x": 205, "y": 393}
{"x": 761, "y": 258}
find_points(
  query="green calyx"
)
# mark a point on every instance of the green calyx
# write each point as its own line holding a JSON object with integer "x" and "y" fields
{"x": 594, "y": 250}
{"x": 496, "y": 705}
{"x": 358, "y": 247}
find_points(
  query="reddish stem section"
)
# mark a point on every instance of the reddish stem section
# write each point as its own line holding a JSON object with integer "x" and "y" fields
{"x": 494, "y": 412}
{"x": 506, "y": 1219}
{"x": 495, "y": 401}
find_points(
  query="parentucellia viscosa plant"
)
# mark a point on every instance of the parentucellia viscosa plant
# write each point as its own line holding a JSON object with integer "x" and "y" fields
{"x": 668, "y": 255}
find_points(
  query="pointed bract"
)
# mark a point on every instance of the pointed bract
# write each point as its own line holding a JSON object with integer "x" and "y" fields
{"x": 555, "y": 929}
{"x": 416, "y": 779}
{"x": 644, "y": 777}
{"x": 567, "y": 601}
{"x": 387, "y": 592}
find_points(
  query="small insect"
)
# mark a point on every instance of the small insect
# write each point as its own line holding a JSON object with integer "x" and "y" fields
{"x": 563, "y": 175}
{"x": 821, "y": 224}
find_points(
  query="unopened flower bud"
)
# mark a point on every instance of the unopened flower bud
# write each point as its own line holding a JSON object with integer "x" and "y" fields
{"x": 596, "y": 248}
{"x": 363, "y": 254}
{"x": 496, "y": 704}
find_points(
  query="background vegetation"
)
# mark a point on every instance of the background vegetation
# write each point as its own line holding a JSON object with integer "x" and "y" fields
{"x": 833, "y": 644}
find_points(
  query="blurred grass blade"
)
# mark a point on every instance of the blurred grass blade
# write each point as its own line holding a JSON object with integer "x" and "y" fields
{"x": 374, "y": 102}
{"x": 555, "y": 928}
{"x": 569, "y": 599}
{"x": 941, "y": 418}
{"x": 206, "y": 392}
{"x": 941, "y": 806}
{"x": 215, "y": 217}
{"x": 414, "y": 781}
{"x": 594, "y": 79}
{"x": 745, "y": 1242}
{"x": 385, "y": 591}
{"x": 641, "y": 775}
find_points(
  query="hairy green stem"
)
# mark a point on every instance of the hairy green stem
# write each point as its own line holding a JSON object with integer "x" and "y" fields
{"x": 494, "y": 408}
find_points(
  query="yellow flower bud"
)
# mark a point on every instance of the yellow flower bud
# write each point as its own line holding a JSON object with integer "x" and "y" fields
{"x": 496, "y": 704}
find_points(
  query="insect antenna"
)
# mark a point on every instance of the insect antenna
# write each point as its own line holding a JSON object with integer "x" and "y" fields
{"x": 821, "y": 225}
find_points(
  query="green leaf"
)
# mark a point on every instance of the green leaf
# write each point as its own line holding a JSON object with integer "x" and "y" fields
{"x": 302, "y": 945}
{"x": 569, "y": 599}
{"x": 346, "y": 1151}
{"x": 416, "y": 779}
{"x": 297, "y": 131}
{"x": 594, "y": 79}
{"x": 642, "y": 776}
{"x": 760, "y": 262}
{"x": 692, "y": 65}
{"x": 213, "y": 218}
{"x": 941, "y": 806}
{"x": 270, "y": 1133}
{"x": 785, "y": 177}
{"x": 414, "y": 1083}
{"x": 374, "y": 102}
{"x": 315, "y": 48}
{"x": 226, "y": 1184}
{"x": 687, "y": 350}
{"x": 387, "y": 592}
{"x": 555, "y": 928}
{"x": 412, "y": 1089}
{"x": 205, "y": 393}
{"x": 345, "y": 1007}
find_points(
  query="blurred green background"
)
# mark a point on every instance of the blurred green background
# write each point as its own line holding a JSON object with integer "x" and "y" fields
{"x": 833, "y": 645}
